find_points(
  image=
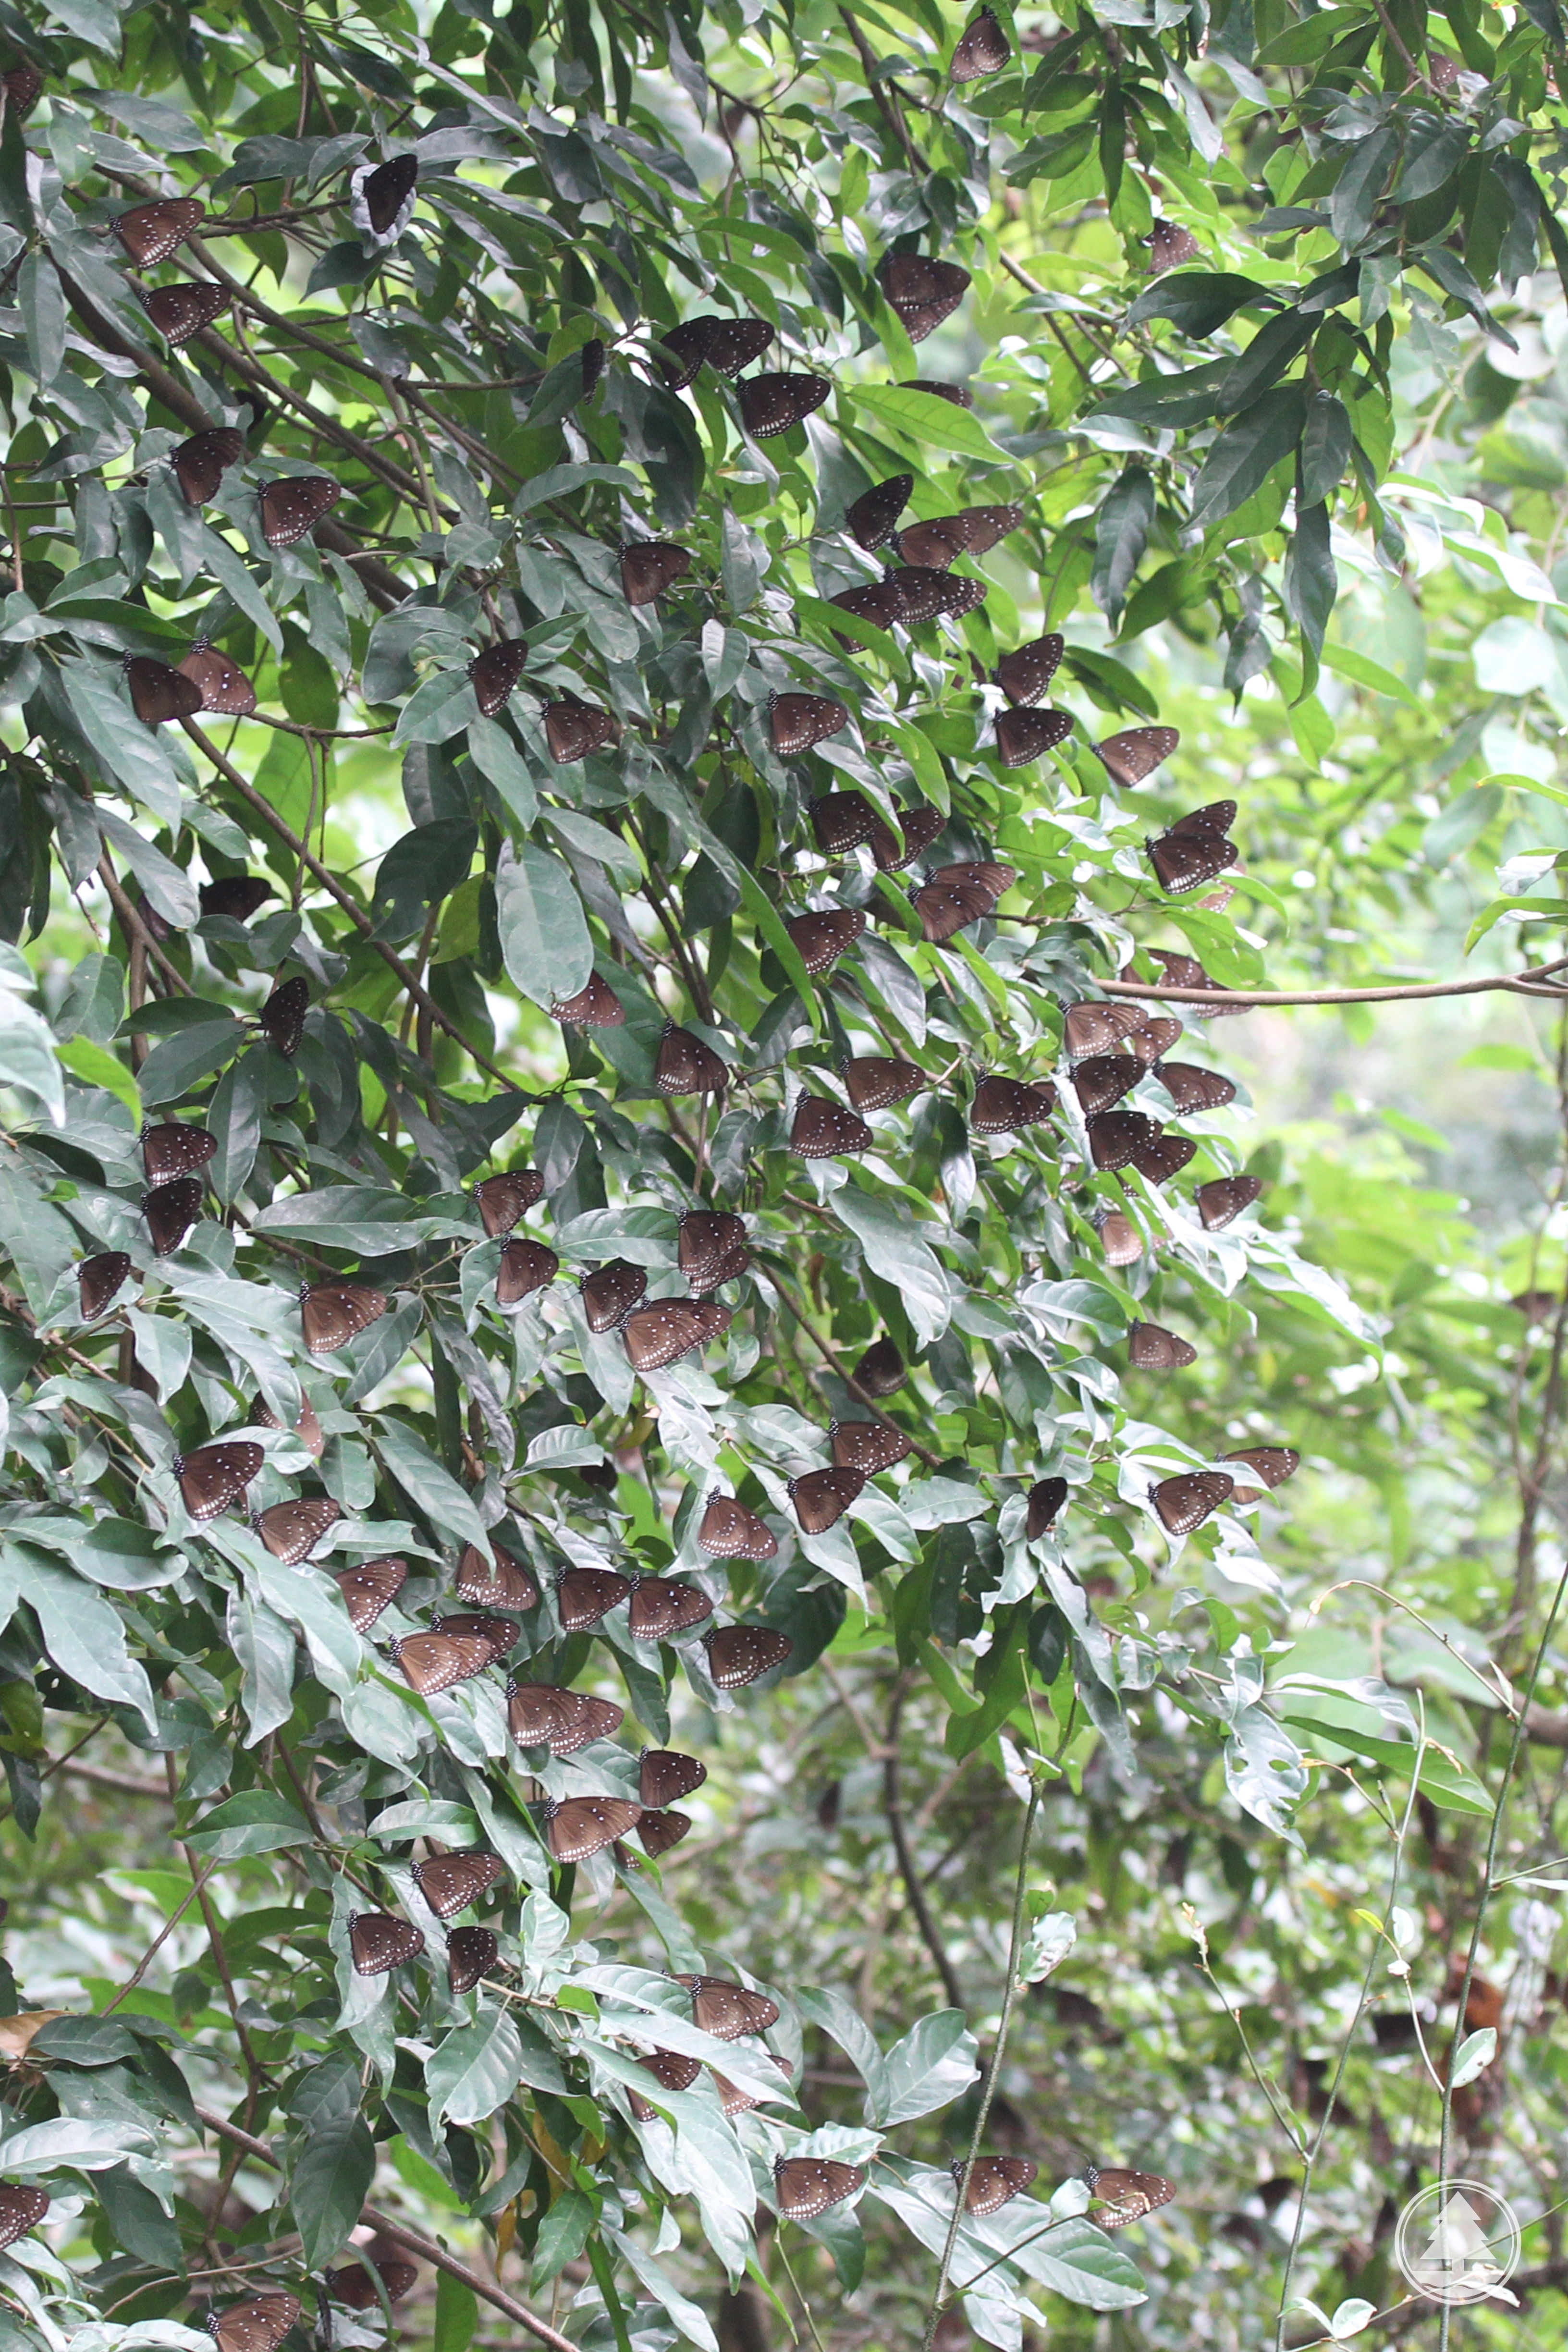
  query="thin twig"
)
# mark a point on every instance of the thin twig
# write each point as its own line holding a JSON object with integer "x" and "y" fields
{"x": 892, "y": 1805}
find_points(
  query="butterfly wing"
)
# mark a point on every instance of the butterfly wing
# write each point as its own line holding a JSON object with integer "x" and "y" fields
{"x": 1026, "y": 673}
{"x": 586, "y": 1825}
{"x": 175, "y": 1149}
{"x": 821, "y": 1498}
{"x": 434, "y": 1662}
{"x": 236, "y": 895}
{"x": 1003, "y": 1106}
{"x": 821, "y": 939}
{"x": 1045, "y": 1499}
{"x": 180, "y": 311}
{"x": 499, "y": 1583}
{"x": 450, "y": 1883}
{"x": 170, "y": 1210}
{"x": 982, "y": 48}
{"x": 159, "y": 693}
{"x": 1192, "y": 1089}
{"x": 214, "y": 1477}
{"x": 575, "y": 730}
{"x": 1128, "y": 2196}
{"x": 663, "y": 1775}
{"x": 610, "y": 1292}
{"x": 868, "y": 1447}
{"x": 686, "y": 1066}
{"x": 738, "y": 1655}
{"x": 370, "y": 1588}
{"x": 823, "y": 1129}
{"x": 872, "y": 519}
{"x": 660, "y": 1830}
{"x": 994, "y": 2181}
{"x": 797, "y": 721}
{"x": 882, "y": 1370}
{"x": 804, "y": 2185}
{"x": 594, "y": 1007}
{"x": 525, "y": 1266}
{"x": 664, "y": 1331}
{"x": 1137, "y": 752}
{"x": 1023, "y": 736}
{"x": 1153, "y": 1349}
{"x": 729, "y": 1531}
{"x": 333, "y": 1313}
{"x": 875, "y": 1081}
{"x": 770, "y": 403}
{"x": 1219, "y": 1203}
{"x": 664, "y": 1606}
{"x": 99, "y": 1279}
{"x": 728, "y": 2011}
{"x": 583, "y": 1595}
{"x": 379, "y": 1941}
{"x": 221, "y": 684}
{"x": 495, "y": 671}
{"x": 293, "y": 504}
{"x": 648, "y": 567}
{"x": 201, "y": 463}
{"x": 387, "y": 189}
{"x": 21, "y": 2210}
{"x": 282, "y": 1017}
{"x": 1185, "y": 1501}
{"x": 291, "y": 1531}
{"x": 472, "y": 1954}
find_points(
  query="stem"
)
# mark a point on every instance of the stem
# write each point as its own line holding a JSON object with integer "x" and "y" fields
{"x": 892, "y": 1805}
{"x": 1522, "y": 983}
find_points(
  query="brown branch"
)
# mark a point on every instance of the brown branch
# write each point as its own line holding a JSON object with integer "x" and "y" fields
{"x": 1527, "y": 983}
{"x": 887, "y": 107}
{"x": 136, "y": 931}
{"x": 892, "y": 1805}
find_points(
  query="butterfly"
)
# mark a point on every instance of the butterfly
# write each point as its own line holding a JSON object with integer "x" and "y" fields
{"x": 370, "y": 1588}
{"x": 921, "y": 593}
{"x": 20, "y": 2211}
{"x": 880, "y": 602}
{"x": 1154, "y": 1036}
{"x": 1116, "y": 1136}
{"x": 540, "y": 1714}
{"x": 684, "y": 1064}
{"x": 23, "y": 87}
{"x": 664, "y": 1606}
{"x": 1090, "y": 1028}
{"x": 499, "y": 1583}
{"x": 1195, "y": 849}
{"x": 982, "y": 48}
{"x": 872, "y": 520}
{"x": 882, "y": 1370}
{"x": 672, "y": 2069}
{"x": 771, "y": 404}
{"x": 1152, "y": 1348}
{"x": 1046, "y": 1498}
{"x": 593, "y": 357}
{"x": 159, "y": 693}
{"x": 1024, "y": 736}
{"x": 1102, "y": 1080}
{"x": 922, "y": 291}
{"x": 1131, "y": 756}
{"x": 650, "y": 566}
{"x": 237, "y": 896}
{"x": 821, "y": 1498}
{"x": 610, "y": 1292}
{"x": 952, "y": 896}
{"x": 583, "y": 1595}
{"x": 98, "y": 1279}
{"x": 804, "y": 2185}
{"x": 668, "y": 1329}
{"x": 920, "y": 827}
{"x": 1272, "y": 1464}
{"x": 974, "y": 531}
{"x": 728, "y": 1268}
{"x": 727, "y": 344}
{"x": 594, "y": 1007}
{"x": 874, "y": 1081}
{"x": 738, "y": 1655}
{"x": 663, "y": 1775}
{"x": 180, "y": 311}
{"x": 497, "y": 1633}
{"x": 291, "y": 1531}
{"x": 1119, "y": 1238}
{"x": 307, "y": 1429}
{"x": 434, "y": 1662}
{"x": 259, "y": 2323}
{"x": 728, "y": 2011}
{"x": 333, "y": 1313}
{"x": 170, "y": 1210}
{"x": 797, "y": 721}
{"x": 993, "y": 2181}
{"x": 1184, "y": 1502}
{"x": 387, "y": 189}
{"x": 1164, "y": 1157}
{"x": 151, "y": 233}
{"x": 575, "y": 730}
{"x": 1186, "y": 971}
{"x": 1128, "y": 2196}
{"x": 1192, "y": 1089}
{"x": 729, "y": 1531}
{"x": 354, "y": 2286}
{"x": 494, "y": 672}
{"x": 214, "y": 1477}
{"x": 1170, "y": 245}
{"x": 294, "y": 504}
{"x": 660, "y": 1830}
{"x": 868, "y": 1447}
{"x": 1221, "y": 1201}
{"x": 584, "y": 1825}
{"x": 282, "y": 1017}
{"x": 1002, "y": 1105}
{"x": 1026, "y": 673}
{"x": 472, "y": 1954}
{"x": 201, "y": 463}
{"x": 823, "y": 1129}
{"x": 379, "y": 1941}
{"x": 841, "y": 821}
{"x": 176, "y": 1149}
{"x": 450, "y": 1883}
{"x": 821, "y": 939}
{"x": 525, "y": 1266}
{"x": 959, "y": 394}
{"x": 707, "y": 1235}
{"x": 502, "y": 1199}
{"x": 221, "y": 684}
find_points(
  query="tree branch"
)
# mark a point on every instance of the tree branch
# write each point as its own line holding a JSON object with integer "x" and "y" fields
{"x": 892, "y": 1805}
{"x": 1528, "y": 983}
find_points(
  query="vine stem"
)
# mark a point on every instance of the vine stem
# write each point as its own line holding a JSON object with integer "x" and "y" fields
{"x": 1015, "y": 1945}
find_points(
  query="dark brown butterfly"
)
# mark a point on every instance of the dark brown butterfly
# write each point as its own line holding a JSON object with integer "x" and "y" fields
{"x": 291, "y": 1531}
{"x": 728, "y": 2011}
{"x": 1219, "y": 1202}
{"x": 707, "y": 1235}
{"x": 497, "y": 1633}
{"x": 333, "y": 1313}
{"x": 214, "y": 1477}
{"x": 1186, "y": 971}
{"x": 472, "y": 1954}
{"x": 668, "y": 1329}
{"x": 686, "y": 1066}
{"x": 650, "y": 566}
{"x": 236, "y": 895}
{"x": 1117, "y": 1137}
{"x": 1191, "y": 1089}
{"x": 1025, "y": 674}
{"x": 586, "y": 1825}
{"x": 583, "y": 1595}
{"x": 821, "y": 1498}
{"x": 959, "y": 394}
{"x": 494, "y": 673}
{"x": 1165, "y": 1157}
{"x": 1100, "y": 1082}
{"x": 294, "y": 504}
{"x": 451, "y": 1882}
{"x": 1090, "y": 1028}
{"x": 952, "y": 896}
{"x": 499, "y": 1582}
{"x": 1128, "y": 2196}
{"x": 23, "y": 87}
{"x": 354, "y": 2284}
{"x": 221, "y": 684}
{"x": 610, "y": 1292}
{"x": 660, "y": 1830}
{"x": 922, "y": 291}
{"x": 823, "y": 1129}
{"x": 872, "y": 519}
{"x": 664, "y": 1606}
{"x": 728, "y": 1268}
{"x": 920, "y": 827}
{"x": 379, "y": 1941}
{"x": 307, "y": 1429}
{"x": 370, "y": 1588}
{"x": 727, "y": 344}
{"x": 1169, "y": 246}
{"x": 868, "y": 1447}
{"x": 503, "y": 1198}
{"x": 663, "y": 1775}
{"x": 804, "y": 2185}
{"x": 1046, "y": 1496}
{"x": 1153, "y": 1037}
{"x": 821, "y": 939}
{"x": 738, "y": 1655}
{"x": 1152, "y": 1348}
{"x": 594, "y": 355}
{"x": 921, "y": 592}
{"x": 1195, "y": 849}
{"x": 176, "y": 1149}
{"x": 151, "y": 233}
{"x": 771, "y": 404}
{"x": 170, "y": 1210}
{"x": 729, "y": 1531}
{"x": 99, "y": 1278}
{"x": 880, "y": 602}
{"x": 1023, "y": 736}
{"x": 159, "y": 693}
{"x": 20, "y": 2211}
{"x": 1185, "y": 1501}
{"x": 882, "y": 1370}
{"x": 841, "y": 821}
{"x": 974, "y": 531}
{"x": 672, "y": 2069}
{"x": 873, "y": 1081}
{"x": 259, "y": 2323}
{"x": 540, "y": 1714}
{"x": 993, "y": 2181}
{"x": 1003, "y": 1106}
{"x": 982, "y": 48}
{"x": 1119, "y": 1238}
{"x": 201, "y": 463}
{"x": 387, "y": 189}
{"x": 575, "y": 730}
{"x": 1137, "y": 752}
{"x": 434, "y": 1662}
{"x": 525, "y": 1266}
{"x": 797, "y": 721}
{"x": 282, "y": 1017}
{"x": 180, "y": 311}
{"x": 594, "y": 1007}
{"x": 1271, "y": 1463}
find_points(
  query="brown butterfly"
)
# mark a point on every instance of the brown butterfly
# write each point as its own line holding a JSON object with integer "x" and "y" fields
{"x": 180, "y": 311}
{"x": 982, "y": 48}
{"x": 1169, "y": 246}
{"x": 21, "y": 2210}
{"x": 1046, "y": 1498}
{"x": 502, "y": 1199}
{"x": 974, "y": 531}
{"x": 868, "y": 1447}
{"x": 1127, "y": 2196}
{"x": 221, "y": 684}
{"x": 738, "y": 1655}
{"x": 729, "y": 1531}
{"x": 684, "y": 1064}
{"x": 728, "y": 2011}
{"x": 880, "y": 602}
{"x": 294, "y": 504}
{"x": 259, "y": 2323}
{"x": 525, "y": 1266}
{"x": 1186, "y": 971}
{"x": 650, "y": 566}
{"x": 1152, "y": 1348}
{"x": 666, "y": 1328}
{"x": 594, "y": 1007}
{"x": 583, "y": 1595}
{"x": 450, "y": 1883}
{"x": 99, "y": 1279}
{"x": 291, "y": 1531}
{"x": 333, "y": 1313}
{"x": 953, "y": 896}
{"x": 670, "y": 2068}
{"x": 434, "y": 1662}
{"x": 387, "y": 189}
{"x": 1003, "y": 1106}
{"x": 823, "y": 1129}
{"x": 170, "y": 1210}
{"x": 1025, "y": 674}
{"x": 707, "y": 1236}
{"x": 841, "y": 821}
{"x": 1195, "y": 849}
{"x": 660, "y": 1830}
{"x": 1271, "y": 1463}
{"x": 151, "y": 233}
{"x": 1137, "y": 752}
{"x": 922, "y": 291}
{"x": 175, "y": 1149}
{"x": 1191, "y": 1089}
{"x": 307, "y": 1429}
{"x": 1117, "y": 1137}
{"x": 370, "y": 1588}
{"x": 1100, "y": 1082}
{"x": 874, "y": 1081}
{"x": 494, "y": 672}
{"x": 821, "y": 1498}
{"x": 379, "y": 1941}
{"x": 159, "y": 693}
{"x": 586, "y": 1825}
{"x": 959, "y": 394}
{"x": 575, "y": 729}
{"x": 354, "y": 2284}
{"x": 882, "y": 1370}
{"x": 804, "y": 2185}
{"x": 821, "y": 939}
{"x": 472, "y": 1954}
{"x": 922, "y": 593}
{"x": 1219, "y": 1202}
{"x": 1090, "y": 1028}
{"x": 727, "y": 344}
{"x": 1119, "y": 1238}
{"x": 728, "y": 1268}
{"x": 541, "y": 1715}
{"x": 610, "y": 1292}
{"x": 771, "y": 404}
{"x": 663, "y": 1775}
{"x": 664, "y": 1606}
{"x": 201, "y": 463}
{"x": 1185, "y": 1501}
{"x": 214, "y": 1477}
{"x": 920, "y": 827}
{"x": 994, "y": 2181}
{"x": 23, "y": 87}
{"x": 1024, "y": 736}
{"x": 499, "y": 1583}
{"x": 872, "y": 519}
{"x": 797, "y": 721}
{"x": 1153, "y": 1037}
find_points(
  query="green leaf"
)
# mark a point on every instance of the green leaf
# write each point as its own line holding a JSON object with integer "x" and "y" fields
{"x": 256, "y": 1822}
{"x": 1345, "y": 661}
{"x": 1246, "y": 454}
{"x": 925, "y": 417}
{"x": 544, "y": 936}
{"x": 329, "y": 2182}
{"x": 1121, "y": 536}
{"x": 457, "y": 2314}
{"x": 474, "y": 2071}
{"x": 933, "y": 2066}
{"x": 894, "y": 1250}
{"x": 1200, "y": 300}
{"x": 1325, "y": 448}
